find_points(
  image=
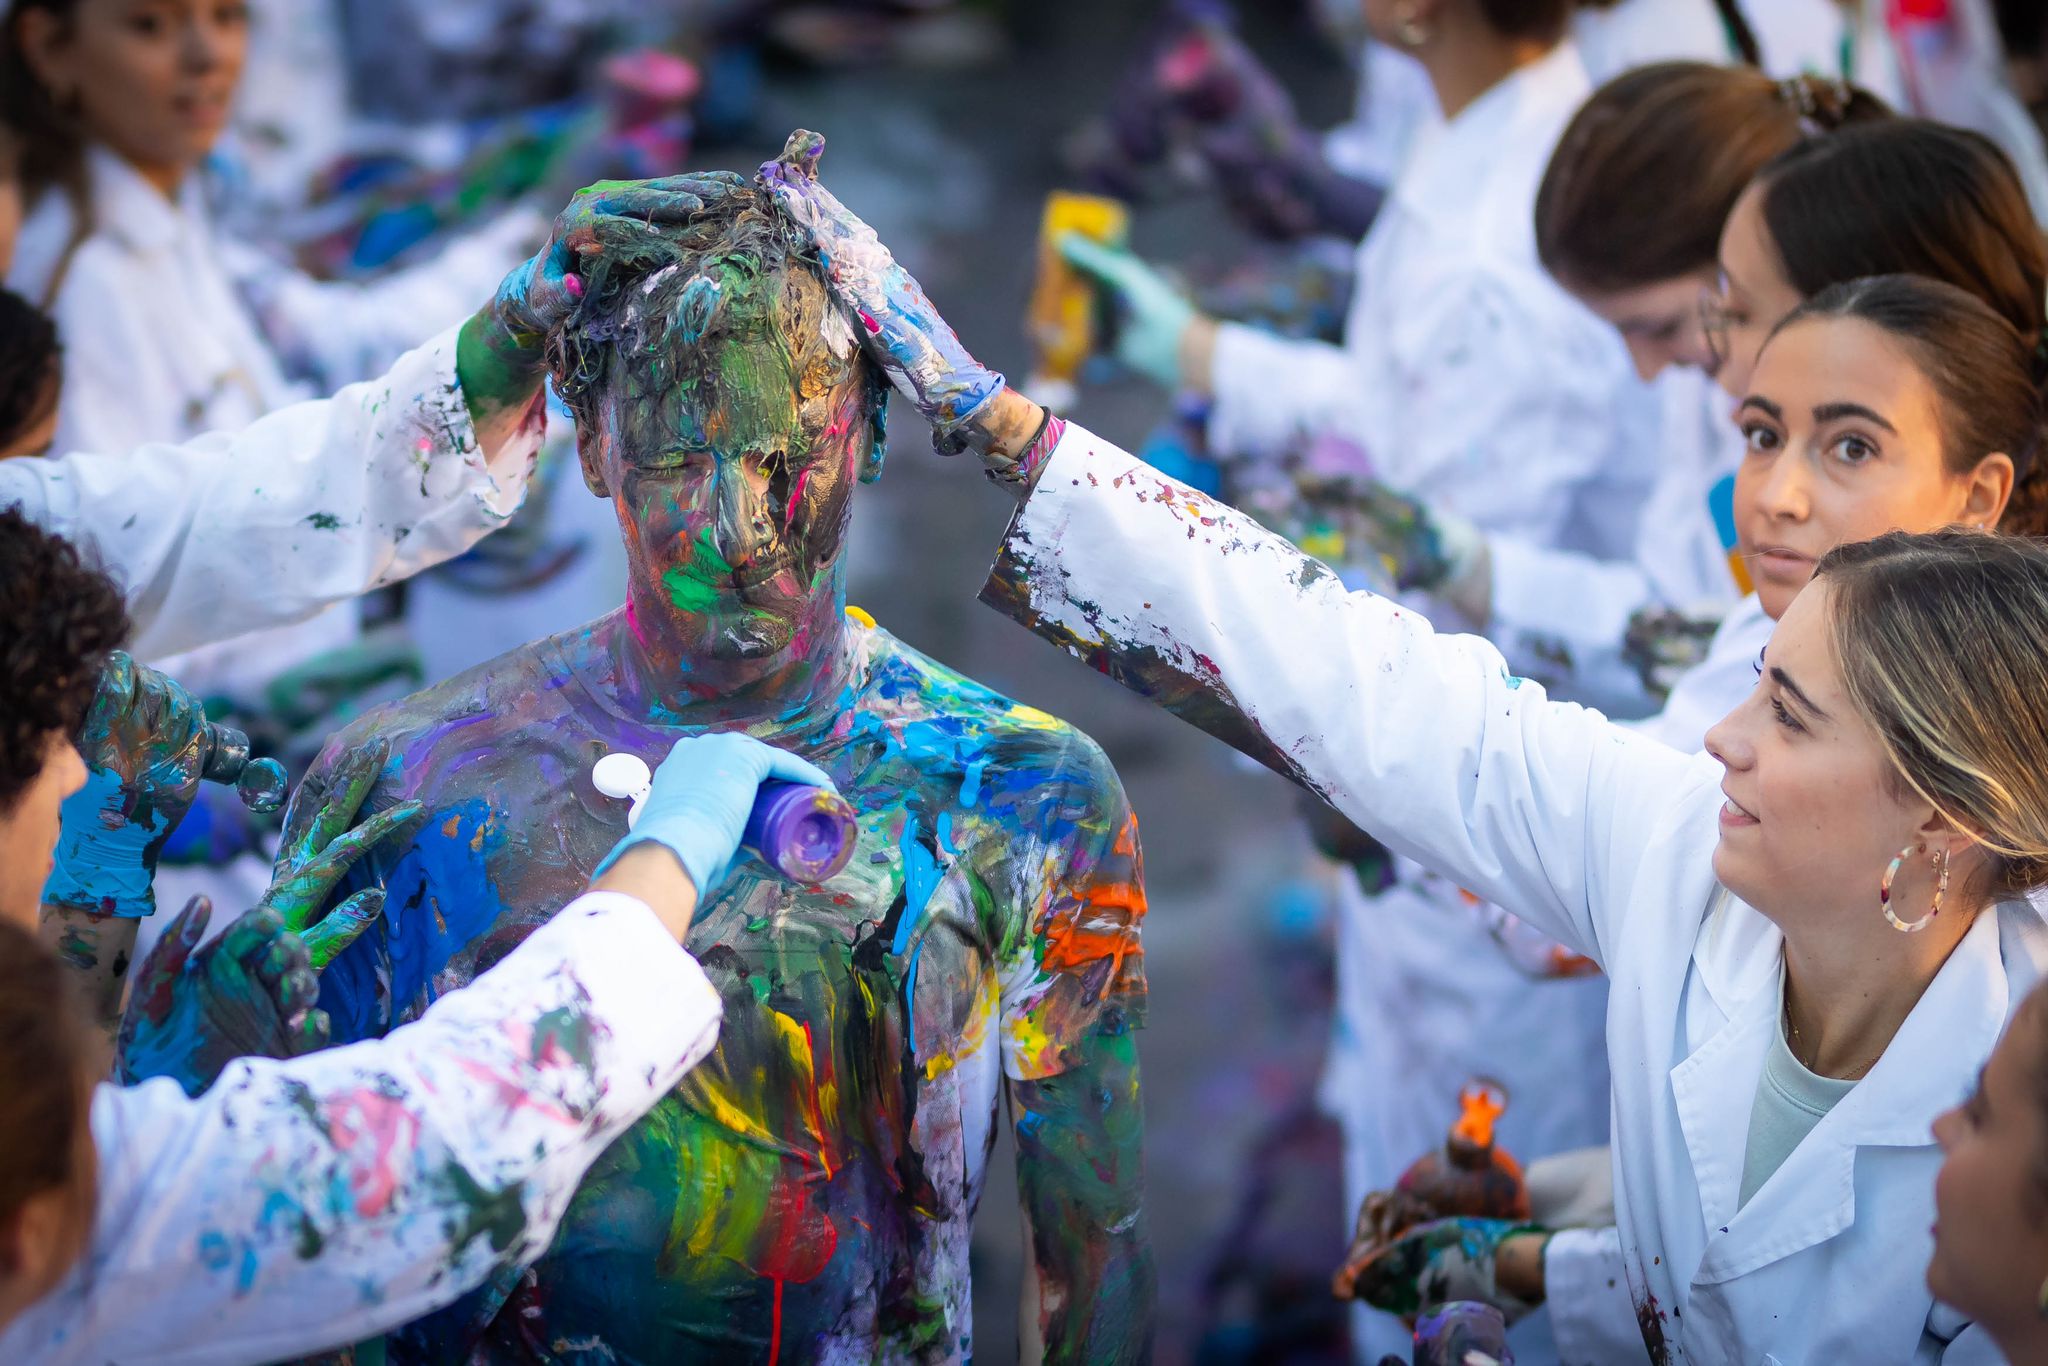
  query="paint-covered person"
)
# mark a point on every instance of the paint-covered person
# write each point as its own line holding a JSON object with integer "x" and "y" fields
{"x": 1839, "y": 874}
{"x": 297, "y": 1205}
{"x": 324, "y": 501}
{"x": 808, "y": 1193}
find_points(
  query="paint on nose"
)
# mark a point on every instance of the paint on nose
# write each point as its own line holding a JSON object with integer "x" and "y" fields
{"x": 698, "y": 585}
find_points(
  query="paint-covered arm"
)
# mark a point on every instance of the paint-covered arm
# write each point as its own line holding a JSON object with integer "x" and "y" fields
{"x": 311, "y": 505}
{"x": 1424, "y": 740}
{"x": 1071, "y": 1066}
{"x": 301, "y": 1205}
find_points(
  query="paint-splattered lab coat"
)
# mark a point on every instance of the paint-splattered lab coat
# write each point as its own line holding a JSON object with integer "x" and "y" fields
{"x": 301, "y": 1205}
{"x": 313, "y": 505}
{"x": 1602, "y": 839}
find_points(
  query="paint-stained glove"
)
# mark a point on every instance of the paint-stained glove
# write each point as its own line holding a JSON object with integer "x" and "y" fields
{"x": 501, "y": 353}
{"x": 1153, "y": 315}
{"x": 1433, "y": 1264}
{"x": 1462, "y": 1334}
{"x": 1666, "y": 643}
{"x": 1420, "y": 547}
{"x": 701, "y": 797}
{"x": 145, "y": 744}
{"x": 322, "y": 842}
{"x": 893, "y": 320}
{"x": 196, "y": 1007}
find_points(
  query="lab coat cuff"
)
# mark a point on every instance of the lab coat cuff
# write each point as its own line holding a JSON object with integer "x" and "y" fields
{"x": 660, "y": 1010}
{"x": 1079, "y": 458}
{"x": 497, "y": 482}
{"x": 1592, "y": 1316}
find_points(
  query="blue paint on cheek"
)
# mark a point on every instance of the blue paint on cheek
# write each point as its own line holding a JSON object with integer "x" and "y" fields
{"x": 102, "y": 852}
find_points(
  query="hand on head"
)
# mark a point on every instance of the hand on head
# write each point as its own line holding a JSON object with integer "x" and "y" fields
{"x": 967, "y": 404}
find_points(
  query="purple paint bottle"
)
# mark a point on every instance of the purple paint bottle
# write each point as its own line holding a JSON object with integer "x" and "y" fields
{"x": 804, "y": 833}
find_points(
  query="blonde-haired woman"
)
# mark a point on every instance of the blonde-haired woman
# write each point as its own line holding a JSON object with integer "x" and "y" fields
{"x": 1829, "y": 876}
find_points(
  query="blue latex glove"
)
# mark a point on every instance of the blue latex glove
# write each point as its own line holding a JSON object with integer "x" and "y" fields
{"x": 145, "y": 745}
{"x": 897, "y": 325}
{"x": 702, "y": 794}
{"x": 1155, "y": 315}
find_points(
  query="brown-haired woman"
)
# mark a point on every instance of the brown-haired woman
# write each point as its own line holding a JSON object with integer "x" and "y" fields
{"x": 1832, "y": 878}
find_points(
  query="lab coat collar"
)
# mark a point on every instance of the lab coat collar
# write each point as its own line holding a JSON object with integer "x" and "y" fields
{"x": 1452, "y": 159}
{"x": 1811, "y": 1198}
{"x": 133, "y": 211}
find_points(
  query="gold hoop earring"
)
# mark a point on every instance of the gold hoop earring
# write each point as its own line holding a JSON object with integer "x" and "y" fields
{"x": 1884, "y": 890}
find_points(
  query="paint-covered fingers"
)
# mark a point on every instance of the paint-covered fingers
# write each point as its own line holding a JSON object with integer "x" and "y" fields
{"x": 891, "y": 316}
{"x": 310, "y": 1034}
{"x": 166, "y": 963}
{"x": 342, "y": 926}
{"x": 396, "y": 826}
{"x": 347, "y": 789}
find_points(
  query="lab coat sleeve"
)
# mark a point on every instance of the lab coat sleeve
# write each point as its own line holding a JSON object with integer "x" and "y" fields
{"x": 1564, "y": 615}
{"x": 1423, "y": 739}
{"x": 309, "y": 506}
{"x": 1585, "y": 1283}
{"x": 1492, "y": 397}
{"x": 335, "y": 332}
{"x": 305, "y": 1204}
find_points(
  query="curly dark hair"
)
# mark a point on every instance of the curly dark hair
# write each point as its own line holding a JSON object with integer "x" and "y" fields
{"x": 31, "y": 361}
{"x": 59, "y": 619}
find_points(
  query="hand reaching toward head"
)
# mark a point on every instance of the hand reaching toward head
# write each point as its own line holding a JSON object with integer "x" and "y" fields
{"x": 967, "y": 404}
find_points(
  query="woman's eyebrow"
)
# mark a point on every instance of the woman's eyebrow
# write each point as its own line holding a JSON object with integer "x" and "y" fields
{"x": 1835, "y": 412}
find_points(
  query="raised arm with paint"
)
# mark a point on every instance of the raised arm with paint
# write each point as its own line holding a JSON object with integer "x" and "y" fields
{"x": 1885, "y": 776}
{"x": 297, "y": 1205}
{"x": 320, "y": 502}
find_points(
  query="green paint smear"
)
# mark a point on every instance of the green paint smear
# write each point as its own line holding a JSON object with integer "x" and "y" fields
{"x": 323, "y": 521}
{"x": 698, "y": 588}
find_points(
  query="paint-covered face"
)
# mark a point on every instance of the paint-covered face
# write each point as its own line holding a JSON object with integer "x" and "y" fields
{"x": 1991, "y": 1235}
{"x": 730, "y": 450}
{"x": 29, "y": 828}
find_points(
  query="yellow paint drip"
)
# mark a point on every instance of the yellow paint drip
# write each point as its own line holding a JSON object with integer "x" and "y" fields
{"x": 856, "y": 615}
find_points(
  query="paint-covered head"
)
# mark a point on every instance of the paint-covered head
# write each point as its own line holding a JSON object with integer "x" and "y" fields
{"x": 725, "y": 408}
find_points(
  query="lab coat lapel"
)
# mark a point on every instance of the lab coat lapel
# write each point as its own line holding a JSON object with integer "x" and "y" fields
{"x": 1736, "y": 955}
{"x": 1927, "y": 1068}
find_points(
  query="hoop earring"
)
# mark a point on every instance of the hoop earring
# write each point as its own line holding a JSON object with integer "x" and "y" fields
{"x": 1884, "y": 890}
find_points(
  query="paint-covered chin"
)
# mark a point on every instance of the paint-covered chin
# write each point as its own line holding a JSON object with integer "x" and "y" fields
{"x": 749, "y": 619}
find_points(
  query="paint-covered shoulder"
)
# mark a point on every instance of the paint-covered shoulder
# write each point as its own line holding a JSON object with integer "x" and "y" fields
{"x": 911, "y": 684}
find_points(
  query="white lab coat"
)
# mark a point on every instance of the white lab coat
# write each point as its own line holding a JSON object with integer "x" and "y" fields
{"x": 1561, "y": 613}
{"x": 1467, "y": 376}
{"x": 303, "y": 1205}
{"x": 314, "y": 505}
{"x": 171, "y": 330}
{"x": 1602, "y": 839}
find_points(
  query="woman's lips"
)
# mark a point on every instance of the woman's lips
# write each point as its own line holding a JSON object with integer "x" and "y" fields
{"x": 1779, "y": 562}
{"x": 1733, "y": 815}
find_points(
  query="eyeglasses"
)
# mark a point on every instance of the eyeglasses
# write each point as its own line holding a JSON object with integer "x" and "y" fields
{"x": 1716, "y": 319}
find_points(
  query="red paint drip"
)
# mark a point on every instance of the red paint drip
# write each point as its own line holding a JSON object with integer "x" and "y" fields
{"x": 775, "y": 1334}
{"x": 867, "y": 320}
{"x": 795, "y": 496}
{"x": 633, "y": 622}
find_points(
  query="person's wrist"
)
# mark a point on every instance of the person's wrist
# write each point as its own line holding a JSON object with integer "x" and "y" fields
{"x": 649, "y": 871}
{"x": 498, "y": 365}
{"x": 1198, "y": 355}
{"x": 1518, "y": 1265}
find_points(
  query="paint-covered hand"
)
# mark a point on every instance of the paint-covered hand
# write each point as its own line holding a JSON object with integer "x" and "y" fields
{"x": 1420, "y": 548}
{"x": 1461, "y": 1334}
{"x": 1154, "y": 316}
{"x": 701, "y": 797}
{"x": 899, "y": 327}
{"x": 502, "y": 351}
{"x": 196, "y": 1007}
{"x": 145, "y": 744}
{"x": 1436, "y": 1263}
{"x": 1665, "y": 643}
{"x": 322, "y": 842}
